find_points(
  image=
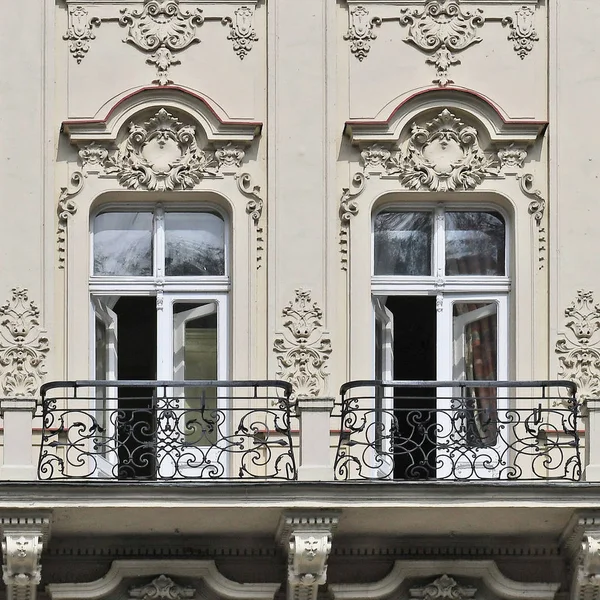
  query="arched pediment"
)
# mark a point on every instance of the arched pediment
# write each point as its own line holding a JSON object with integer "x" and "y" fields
{"x": 400, "y": 114}
{"x": 197, "y": 108}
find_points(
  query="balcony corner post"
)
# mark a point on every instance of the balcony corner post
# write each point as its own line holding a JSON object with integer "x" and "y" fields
{"x": 18, "y": 463}
{"x": 591, "y": 470}
{"x": 315, "y": 439}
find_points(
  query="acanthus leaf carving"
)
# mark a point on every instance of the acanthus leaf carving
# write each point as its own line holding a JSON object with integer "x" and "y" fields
{"x": 349, "y": 209}
{"x": 579, "y": 347}
{"x": 254, "y": 208}
{"x": 161, "y": 154}
{"x": 360, "y": 31}
{"x": 442, "y": 29}
{"x": 442, "y": 155}
{"x": 445, "y": 588}
{"x": 241, "y": 30}
{"x": 66, "y": 208}
{"x": 162, "y": 588}
{"x": 161, "y": 28}
{"x": 80, "y": 31}
{"x": 23, "y": 346}
{"x": 303, "y": 351}
{"x": 522, "y": 30}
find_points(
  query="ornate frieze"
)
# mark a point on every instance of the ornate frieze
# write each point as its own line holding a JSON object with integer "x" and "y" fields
{"x": 304, "y": 349}
{"x": 67, "y": 208}
{"x": 578, "y": 348}
{"x": 442, "y": 155}
{"x": 80, "y": 31}
{"x": 360, "y": 31}
{"x": 241, "y": 30}
{"x": 23, "y": 346}
{"x": 162, "y": 588}
{"x": 522, "y": 30}
{"x": 442, "y": 29}
{"x": 443, "y": 587}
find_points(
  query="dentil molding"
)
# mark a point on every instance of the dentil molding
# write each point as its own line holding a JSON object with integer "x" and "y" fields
{"x": 304, "y": 349}
{"x": 23, "y": 538}
{"x": 23, "y": 346}
{"x": 307, "y": 537}
{"x": 161, "y": 29}
{"x": 441, "y": 29}
{"x": 578, "y": 347}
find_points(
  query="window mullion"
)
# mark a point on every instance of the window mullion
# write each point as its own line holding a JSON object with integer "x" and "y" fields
{"x": 439, "y": 246}
{"x": 159, "y": 242}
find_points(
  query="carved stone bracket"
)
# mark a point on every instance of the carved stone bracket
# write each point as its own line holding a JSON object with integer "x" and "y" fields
{"x": 23, "y": 538}
{"x": 162, "y": 588}
{"x": 23, "y": 346}
{"x": 254, "y": 208}
{"x": 304, "y": 349}
{"x": 307, "y": 539}
{"x": 512, "y": 157}
{"x": 67, "y": 208}
{"x": 522, "y": 30}
{"x": 442, "y": 29}
{"x": 360, "y": 31}
{"x": 536, "y": 208}
{"x": 80, "y": 31}
{"x": 579, "y": 346}
{"x": 349, "y": 209}
{"x": 443, "y": 587}
{"x": 161, "y": 29}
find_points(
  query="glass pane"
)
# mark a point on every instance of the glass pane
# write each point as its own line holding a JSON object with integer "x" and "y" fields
{"x": 123, "y": 243}
{"x": 475, "y": 358}
{"x": 195, "y": 244}
{"x": 475, "y": 243}
{"x": 402, "y": 243}
{"x": 195, "y": 357}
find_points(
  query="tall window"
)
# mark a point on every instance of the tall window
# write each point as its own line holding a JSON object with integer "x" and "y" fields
{"x": 440, "y": 286}
{"x": 159, "y": 288}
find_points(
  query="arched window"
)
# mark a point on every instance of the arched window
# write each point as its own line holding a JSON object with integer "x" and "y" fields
{"x": 159, "y": 288}
{"x": 440, "y": 290}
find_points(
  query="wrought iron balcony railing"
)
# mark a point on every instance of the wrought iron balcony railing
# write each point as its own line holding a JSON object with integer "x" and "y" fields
{"x": 167, "y": 430}
{"x": 465, "y": 430}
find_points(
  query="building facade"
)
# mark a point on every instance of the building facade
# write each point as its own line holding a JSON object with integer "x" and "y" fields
{"x": 300, "y": 299}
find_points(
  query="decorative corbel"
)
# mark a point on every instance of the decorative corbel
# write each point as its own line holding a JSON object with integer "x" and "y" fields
{"x": 254, "y": 208}
{"x": 349, "y": 209}
{"x": 23, "y": 538}
{"x": 307, "y": 539}
{"x": 536, "y": 208}
{"x": 66, "y": 209}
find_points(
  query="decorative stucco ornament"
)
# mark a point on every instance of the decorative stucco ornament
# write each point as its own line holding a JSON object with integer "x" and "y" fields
{"x": 161, "y": 154}
{"x": 92, "y": 157}
{"x": 80, "y": 32}
{"x": 349, "y": 209}
{"x": 66, "y": 208}
{"x": 537, "y": 206}
{"x": 442, "y": 29}
{"x": 303, "y": 351}
{"x": 161, "y": 27}
{"x": 522, "y": 30}
{"x": 241, "y": 32}
{"x": 441, "y": 156}
{"x": 162, "y": 588}
{"x": 375, "y": 157}
{"x": 512, "y": 157}
{"x": 579, "y": 346}
{"x": 360, "y": 31}
{"x": 229, "y": 156}
{"x": 23, "y": 346}
{"x": 445, "y": 588}
{"x": 254, "y": 208}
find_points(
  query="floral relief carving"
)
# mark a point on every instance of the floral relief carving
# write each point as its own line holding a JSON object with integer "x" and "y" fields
{"x": 512, "y": 157}
{"x": 360, "y": 31}
{"x": 162, "y": 28}
{"x": 522, "y": 30}
{"x": 349, "y": 209}
{"x": 303, "y": 351}
{"x": 241, "y": 32}
{"x": 442, "y": 29}
{"x": 23, "y": 346}
{"x": 443, "y": 587}
{"x": 579, "y": 347}
{"x": 442, "y": 155}
{"x": 66, "y": 208}
{"x": 80, "y": 31}
{"x": 254, "y": 208}
{"x": 162, "y": 588}
{"x": 161, "y": 154}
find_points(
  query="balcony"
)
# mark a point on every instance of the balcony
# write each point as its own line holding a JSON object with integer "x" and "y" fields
{"x": 224, "y": 431}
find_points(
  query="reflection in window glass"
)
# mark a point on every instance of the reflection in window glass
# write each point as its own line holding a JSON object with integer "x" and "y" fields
{"x": 195, "y": 244}
{"x": 475, "y": 243}
{"x": 123, "y": 243}
{"x": 402, "y": 243}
